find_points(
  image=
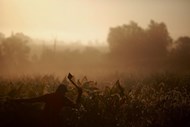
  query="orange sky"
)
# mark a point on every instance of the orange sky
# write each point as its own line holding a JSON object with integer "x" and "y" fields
{"x": 89, "y": 19}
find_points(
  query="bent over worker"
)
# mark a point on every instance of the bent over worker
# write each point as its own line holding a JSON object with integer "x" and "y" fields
{"x": 54, "y": 102}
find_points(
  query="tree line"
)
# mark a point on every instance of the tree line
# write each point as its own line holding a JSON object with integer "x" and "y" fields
{"x": 130, "y": 47}
{"x": 149, "y": 48}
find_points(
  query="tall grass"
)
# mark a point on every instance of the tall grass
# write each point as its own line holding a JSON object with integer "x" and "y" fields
{"x": 159, "y": 100}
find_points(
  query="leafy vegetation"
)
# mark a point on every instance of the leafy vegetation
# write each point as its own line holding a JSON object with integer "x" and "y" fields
{"x": 158, "y": 100}
{"x": 130, "y": 48}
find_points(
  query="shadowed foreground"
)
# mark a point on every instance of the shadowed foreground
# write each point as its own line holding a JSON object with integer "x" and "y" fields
{"x": 160, "y": 100}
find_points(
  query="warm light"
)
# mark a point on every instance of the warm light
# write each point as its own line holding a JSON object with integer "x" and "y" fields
{"x": 88, "y": 19}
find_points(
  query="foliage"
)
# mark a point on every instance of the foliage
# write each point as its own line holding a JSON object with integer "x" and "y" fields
{"x": 159, "y": 100}
{"x": 14, "y": 52}
{"x": 181, "y": 53}
{"x": 140, "y": 45}
{"x": 130, "y": 48}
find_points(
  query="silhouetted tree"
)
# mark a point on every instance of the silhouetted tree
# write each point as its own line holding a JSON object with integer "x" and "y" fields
{"x": 158, "y": 40}
{"x": 181, "y": 53}
{"x": 131, "y": 43}
{"x": 15, "y": 50}
{"x": 124, "y": 40}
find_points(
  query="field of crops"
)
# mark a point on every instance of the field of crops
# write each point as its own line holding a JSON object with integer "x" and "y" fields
{"x": 161, "y": 100}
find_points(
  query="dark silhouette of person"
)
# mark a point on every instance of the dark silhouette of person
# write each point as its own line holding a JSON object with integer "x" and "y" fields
{"x": 54, "y": 102}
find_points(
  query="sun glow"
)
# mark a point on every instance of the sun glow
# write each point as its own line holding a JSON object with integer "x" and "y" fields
{"x": 86, "y": 20}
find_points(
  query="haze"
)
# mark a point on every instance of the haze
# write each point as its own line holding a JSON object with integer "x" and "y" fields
{"x": 89, "y": 19}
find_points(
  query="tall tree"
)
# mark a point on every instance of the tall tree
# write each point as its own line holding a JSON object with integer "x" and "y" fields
{"x": 124, "y": 40}
{"x": 15, "y": 49}
{"x": 133, "y": 43}
{"x": 181, "y": 53}
{"x": 158, "y": 39}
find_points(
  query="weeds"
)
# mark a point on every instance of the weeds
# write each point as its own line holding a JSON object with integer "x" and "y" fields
{"x": 160, "y": 100}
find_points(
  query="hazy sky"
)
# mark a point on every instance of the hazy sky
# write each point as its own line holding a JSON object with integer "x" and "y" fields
{"x": 89, "y": 19}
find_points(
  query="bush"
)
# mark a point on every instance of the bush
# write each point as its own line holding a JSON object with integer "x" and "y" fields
{"x": 159, "y": 100}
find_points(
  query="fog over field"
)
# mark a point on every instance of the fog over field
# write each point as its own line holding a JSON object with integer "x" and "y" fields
{"x": 94, "y": 37}
{"x": 130, "y": 49}
{"x": 95, "y": 63}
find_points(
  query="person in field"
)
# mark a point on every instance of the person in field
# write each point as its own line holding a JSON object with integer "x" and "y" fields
{"x": 54, "y": 102}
